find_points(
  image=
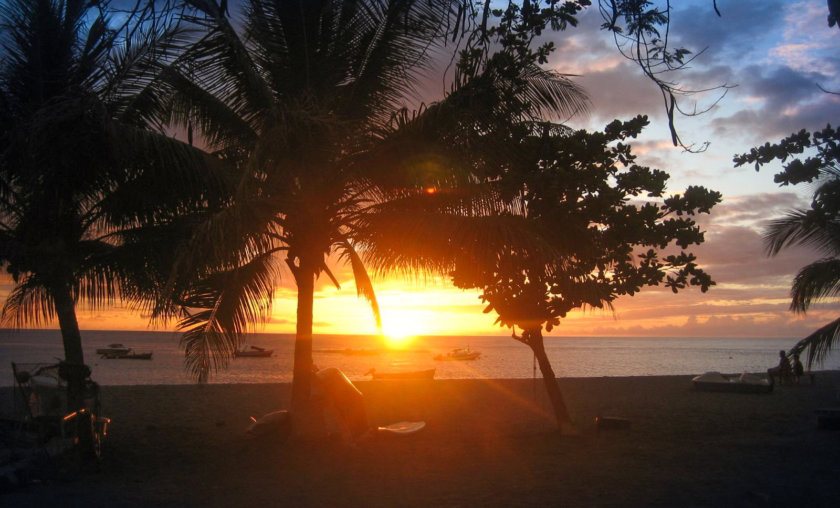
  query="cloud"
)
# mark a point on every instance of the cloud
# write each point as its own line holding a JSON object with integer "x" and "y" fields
{"x": 734, "y": 251}
{"x": 621, "y": 92}
{"x": 720, "y": 326}
{"x": 808, "y": 44}
{"x": 753, "y": 208}
{"x": 732, "y": 35}
{"x": 786, "y": 101}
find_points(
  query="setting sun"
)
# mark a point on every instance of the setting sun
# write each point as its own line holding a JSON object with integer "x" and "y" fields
{"x": 399, "y": 326}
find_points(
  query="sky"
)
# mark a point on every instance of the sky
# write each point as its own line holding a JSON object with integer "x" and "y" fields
{"x": 774, "y": 54}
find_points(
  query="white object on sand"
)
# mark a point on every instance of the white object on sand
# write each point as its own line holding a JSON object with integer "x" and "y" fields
{"x": 272, "y": 422}
{"x": 401, "y": 428}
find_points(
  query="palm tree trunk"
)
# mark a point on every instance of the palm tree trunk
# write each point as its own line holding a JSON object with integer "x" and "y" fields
{"x": 72, "y": 339}
{"x": 534, "y": 339}
{"x": 302, "y": 371}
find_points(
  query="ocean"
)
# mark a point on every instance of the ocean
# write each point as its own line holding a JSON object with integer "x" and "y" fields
{"x": 502, "y": 357}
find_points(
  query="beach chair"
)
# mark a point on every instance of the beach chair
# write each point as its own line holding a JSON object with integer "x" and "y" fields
{"x": 40, "y": 400}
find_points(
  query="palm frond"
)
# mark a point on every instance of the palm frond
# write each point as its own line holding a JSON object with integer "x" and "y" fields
{"x": 393, "y": 48}
{"x": 232, "y": 301}
{"x": 364, "y": 286}
{"x": 221, "y": 61}
{"x": 135, "y": 86}
{"x": 193, "y": 106}
{"x": 206, "y": 346}
{"x": 803, "y": 227}
{"x": 819, "y": 344}
{"x": 229, "y": 237}
{"x": 157, "y": 175}
{"x": 553, "y": 94}
{"x": 820, "y": 279}
{"x": 28, "y": 304}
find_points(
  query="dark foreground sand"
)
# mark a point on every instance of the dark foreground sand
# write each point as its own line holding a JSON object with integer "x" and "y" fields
{"x": 487, "y": 443}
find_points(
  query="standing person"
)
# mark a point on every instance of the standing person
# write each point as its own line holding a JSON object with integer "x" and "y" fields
{"x": 798, "y": 369}
{"x": 783, "y": 370}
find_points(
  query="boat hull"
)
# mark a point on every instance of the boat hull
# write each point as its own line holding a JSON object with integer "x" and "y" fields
{"x": 114, "y": 349}
{"x": 733, "y": 387}
{"x": 419, "y": 374}
{"x": 459, "y": 358}
{"x": 715, "y": 382}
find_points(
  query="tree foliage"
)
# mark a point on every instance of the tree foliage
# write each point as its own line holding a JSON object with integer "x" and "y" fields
{"x": 550, "y": 219}
{"x": 642, "y": 33}
{"x": 296, "y": 98}
{"x": 808, "y": 158}
{"x": 604, "y": 220}
{"x": 92, "y": 192}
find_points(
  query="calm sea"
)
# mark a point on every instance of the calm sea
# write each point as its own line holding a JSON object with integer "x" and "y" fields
{"x": 502, "y": 357}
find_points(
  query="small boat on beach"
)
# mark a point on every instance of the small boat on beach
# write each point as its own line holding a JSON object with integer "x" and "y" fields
{"x": 416, "y": 374}
{"x": 113, "y": 349}
{"x": 459, "y": 354}
{"x": 253, "y": 352}
{"x": 745, "y": 383}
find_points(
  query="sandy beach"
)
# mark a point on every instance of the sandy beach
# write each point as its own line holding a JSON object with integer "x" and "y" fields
{"x": 487, "y": 443}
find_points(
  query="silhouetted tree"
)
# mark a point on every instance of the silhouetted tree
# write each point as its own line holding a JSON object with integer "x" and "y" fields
{"x": 90, "y": 186}
{"x": 550, "y": 219}
{"x": 294, "y": 97}
{"x": 607, "y": 230}
{"x": 572, "y": 222}
{"x": 812, "y": 158}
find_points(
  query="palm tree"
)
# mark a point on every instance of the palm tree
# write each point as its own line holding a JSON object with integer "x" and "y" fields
{"x": 90, "y": 196}
{"x": 307, "y": 101}
{"x": 295, "y": 99}
{"x": 818, "y": 227}
{"x": 810, "y": 158}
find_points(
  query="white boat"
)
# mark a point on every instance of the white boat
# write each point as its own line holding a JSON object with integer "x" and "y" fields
{"x": 460, "y": 354}
{"x": 745, "y": 383}
{"x": 115, "y": 349}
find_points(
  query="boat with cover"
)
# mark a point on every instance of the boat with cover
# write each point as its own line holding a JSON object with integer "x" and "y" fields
{"x": 460, "y": 354}
{"x": 415, "y": 374}
{"x": 745, "y": 383}
{"x": 253, "y": 352}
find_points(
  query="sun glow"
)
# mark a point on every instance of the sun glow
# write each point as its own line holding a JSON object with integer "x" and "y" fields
{"x": 400, "y": 326}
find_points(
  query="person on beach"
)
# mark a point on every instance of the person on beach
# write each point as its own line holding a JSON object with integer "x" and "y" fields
{"x": 783, "y": 370}
{"x": 798, "y": 369}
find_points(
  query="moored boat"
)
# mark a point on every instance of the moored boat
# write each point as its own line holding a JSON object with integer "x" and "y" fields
{"x": 130, "y": 355}
{"x": 460, "y": 354}
{"x": 253, "y": 352}
{"x": 114, "y": 349}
